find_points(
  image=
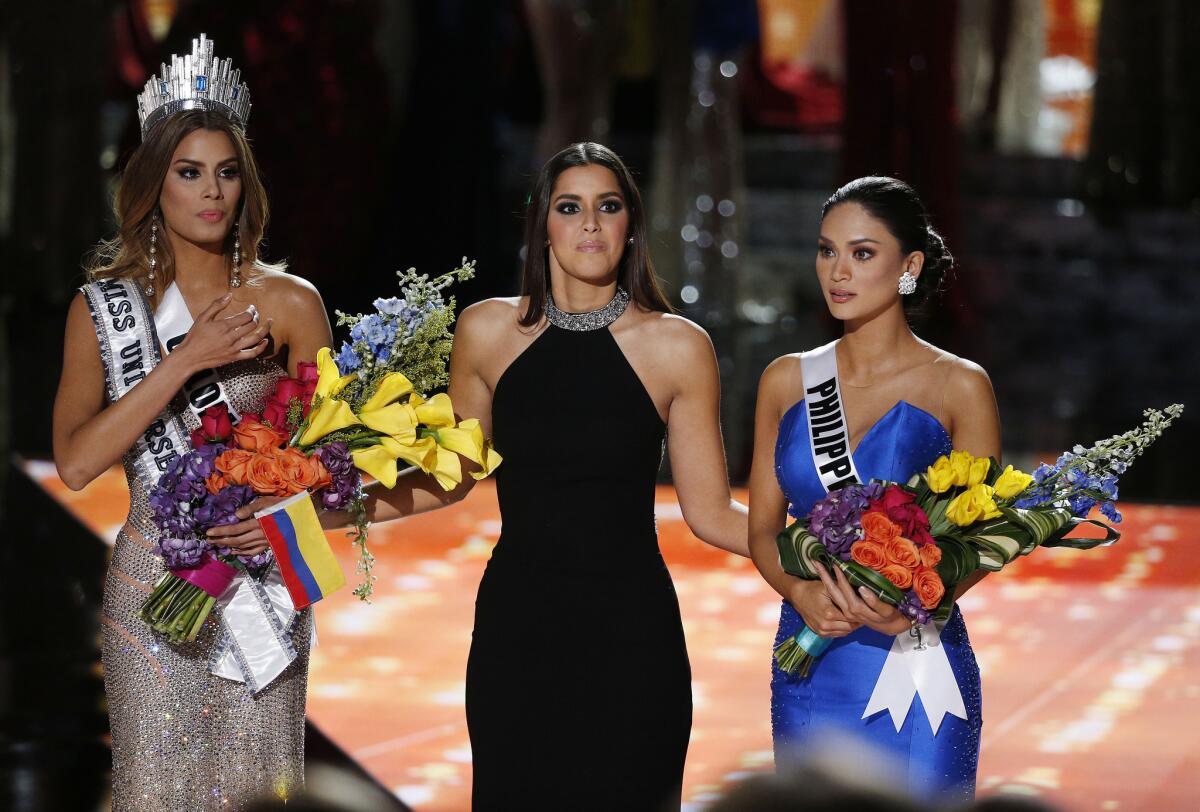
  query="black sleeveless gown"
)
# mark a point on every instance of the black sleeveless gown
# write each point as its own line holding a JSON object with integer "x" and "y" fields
{"x": 578, "y": 683}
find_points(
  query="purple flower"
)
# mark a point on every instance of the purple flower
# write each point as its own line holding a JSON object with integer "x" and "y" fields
{"x": 912, "y": 609}
{"x": 180, "y": 553}
{"x": 336, "y": 459}
{"x": 200, "y": 463}
{"x": 254, "y": 563}
{"x": 834, "y": 518}
{"x": 345, "y": 479}
{"x": 189, "y": 488}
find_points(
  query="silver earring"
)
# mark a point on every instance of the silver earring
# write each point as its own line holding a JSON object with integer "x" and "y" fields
{"x": 236, "y": 280}
{"x": 908, "y": 284}
{"x": 630, "y": 241}
{"x": 153, "y": 254}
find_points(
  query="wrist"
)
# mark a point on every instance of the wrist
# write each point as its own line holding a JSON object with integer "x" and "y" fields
{"x": 180, "y": 363}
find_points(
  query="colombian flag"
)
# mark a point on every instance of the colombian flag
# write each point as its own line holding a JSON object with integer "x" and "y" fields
{"x": 307, "y": 564}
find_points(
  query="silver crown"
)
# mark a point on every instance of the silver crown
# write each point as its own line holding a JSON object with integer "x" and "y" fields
{"x": 198, "y": 81}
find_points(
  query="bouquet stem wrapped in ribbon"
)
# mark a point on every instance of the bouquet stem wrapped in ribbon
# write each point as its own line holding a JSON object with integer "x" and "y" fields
{"x": 913, "y": 544}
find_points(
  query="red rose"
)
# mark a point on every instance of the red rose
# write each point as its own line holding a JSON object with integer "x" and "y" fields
{"x": 310, "y": 388}
{"x": 893, "y": 496}
{"x": 920, "y": 536}
{"x": 902, "y": 508}
{"x": 198, "y": 438}
{"x": 306, "y": 371}
{"x": 215, "y": 423}
{"x": 275, "y": 413}
{"x": 910, "y": 517}
{"x": 286, "y": 389}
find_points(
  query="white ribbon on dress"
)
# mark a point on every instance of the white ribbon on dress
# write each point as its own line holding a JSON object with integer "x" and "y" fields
{"x": 917, "y": 666}
{"x": 256, "y": 620}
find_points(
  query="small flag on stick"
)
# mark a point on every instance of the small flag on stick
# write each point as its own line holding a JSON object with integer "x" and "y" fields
{"x": 307, "y": 564}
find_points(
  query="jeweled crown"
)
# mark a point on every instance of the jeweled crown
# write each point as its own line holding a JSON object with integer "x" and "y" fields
{"x": 198, "y": 81}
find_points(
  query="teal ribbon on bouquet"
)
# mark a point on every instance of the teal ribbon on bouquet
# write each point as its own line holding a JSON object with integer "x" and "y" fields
{"x": 800, "y": 553}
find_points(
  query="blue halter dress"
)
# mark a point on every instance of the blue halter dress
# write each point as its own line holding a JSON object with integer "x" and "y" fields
{"x": 938, "y": 767}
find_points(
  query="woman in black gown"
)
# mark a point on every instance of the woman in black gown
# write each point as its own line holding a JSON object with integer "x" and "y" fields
{"x": 578, "y": 683}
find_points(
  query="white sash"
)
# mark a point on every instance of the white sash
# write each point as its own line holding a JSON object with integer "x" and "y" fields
{"x": 828, "y": 437}
{"x": 173, "y": 320}
{"x": 915, "y": 665}
{"x": 130, "y": 350}
{"x": 256, "y": 617}
{"x": 256, "y": 620}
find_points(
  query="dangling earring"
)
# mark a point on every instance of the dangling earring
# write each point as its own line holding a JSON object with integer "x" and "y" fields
{"x": 153, "y": 251}
{"x": 236, "y": 279}
{"x": 908, "y": 283}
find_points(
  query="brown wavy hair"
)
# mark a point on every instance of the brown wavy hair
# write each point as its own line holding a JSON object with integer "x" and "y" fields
{"x": 636, "y": 274}
{"x": 127, "y": 255}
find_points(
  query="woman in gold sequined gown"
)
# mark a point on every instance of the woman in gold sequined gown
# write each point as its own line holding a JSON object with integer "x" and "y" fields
{"x": 183, "y": 738}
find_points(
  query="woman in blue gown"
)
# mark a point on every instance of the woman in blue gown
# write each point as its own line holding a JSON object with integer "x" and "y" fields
{"x": 905, "y": 402}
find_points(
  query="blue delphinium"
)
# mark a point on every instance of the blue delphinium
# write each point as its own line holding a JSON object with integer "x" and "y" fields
{"x": 348, "y": 360}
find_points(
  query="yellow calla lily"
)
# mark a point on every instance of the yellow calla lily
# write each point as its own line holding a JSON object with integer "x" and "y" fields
{"x": 331, "y": 415}
{"x": 467, "y": 439}
{"x": 329, "y": 382}
{"x": 380, "y": 460}
{"x": 448, "y": 469}
{"x": 392, "y": 387}
{"x": 398, "y": 420}
{"x": 436, "y": 413}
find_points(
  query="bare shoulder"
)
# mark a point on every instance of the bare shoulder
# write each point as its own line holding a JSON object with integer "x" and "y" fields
{"x": 79, "y": 323}
{"x": 288, "y": 289}
{"x": 490, "y": 318}
{"x": 680, "y": 338}
{"x": 782, "y": 374}
{"x": 781, "y": 385}
{"x": 966, "y": 380}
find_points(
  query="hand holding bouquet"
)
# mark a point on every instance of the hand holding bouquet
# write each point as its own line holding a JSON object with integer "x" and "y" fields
{"x": 912, "y": 544}
{"x": 364, "y": 412}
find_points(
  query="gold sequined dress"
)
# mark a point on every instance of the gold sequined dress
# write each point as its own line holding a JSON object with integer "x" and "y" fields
{"x": 183, "y": 739}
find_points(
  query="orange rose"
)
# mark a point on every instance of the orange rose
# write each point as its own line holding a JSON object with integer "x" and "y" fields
{"x": 263, "y": 474}
{"x": 251, "y": 435}
{"x": 233, "y": 464}
{"x": 215, "y": 483}
{"x": 929, "y": 588}
{"x": 868, "y": 553}
{"x": 931, "y": 555}
{"x": 903, "y": 552}
{"x": 902, "y": 577}
{"x": 878, "y": 527}
{"x": 301, "y": 471}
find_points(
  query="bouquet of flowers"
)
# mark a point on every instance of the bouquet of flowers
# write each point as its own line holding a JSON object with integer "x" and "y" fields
{"x": 227, "y": 468}
{"x": 912, "y": 544}
{"x": 316, "y": 433}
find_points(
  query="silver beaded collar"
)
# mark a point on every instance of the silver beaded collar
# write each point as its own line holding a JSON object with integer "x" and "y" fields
{"x": 593, "y": 319}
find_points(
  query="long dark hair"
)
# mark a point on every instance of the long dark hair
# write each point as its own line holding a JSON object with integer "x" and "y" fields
{"x": 636, "y": 274}
{"x": 897, "y": 205}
